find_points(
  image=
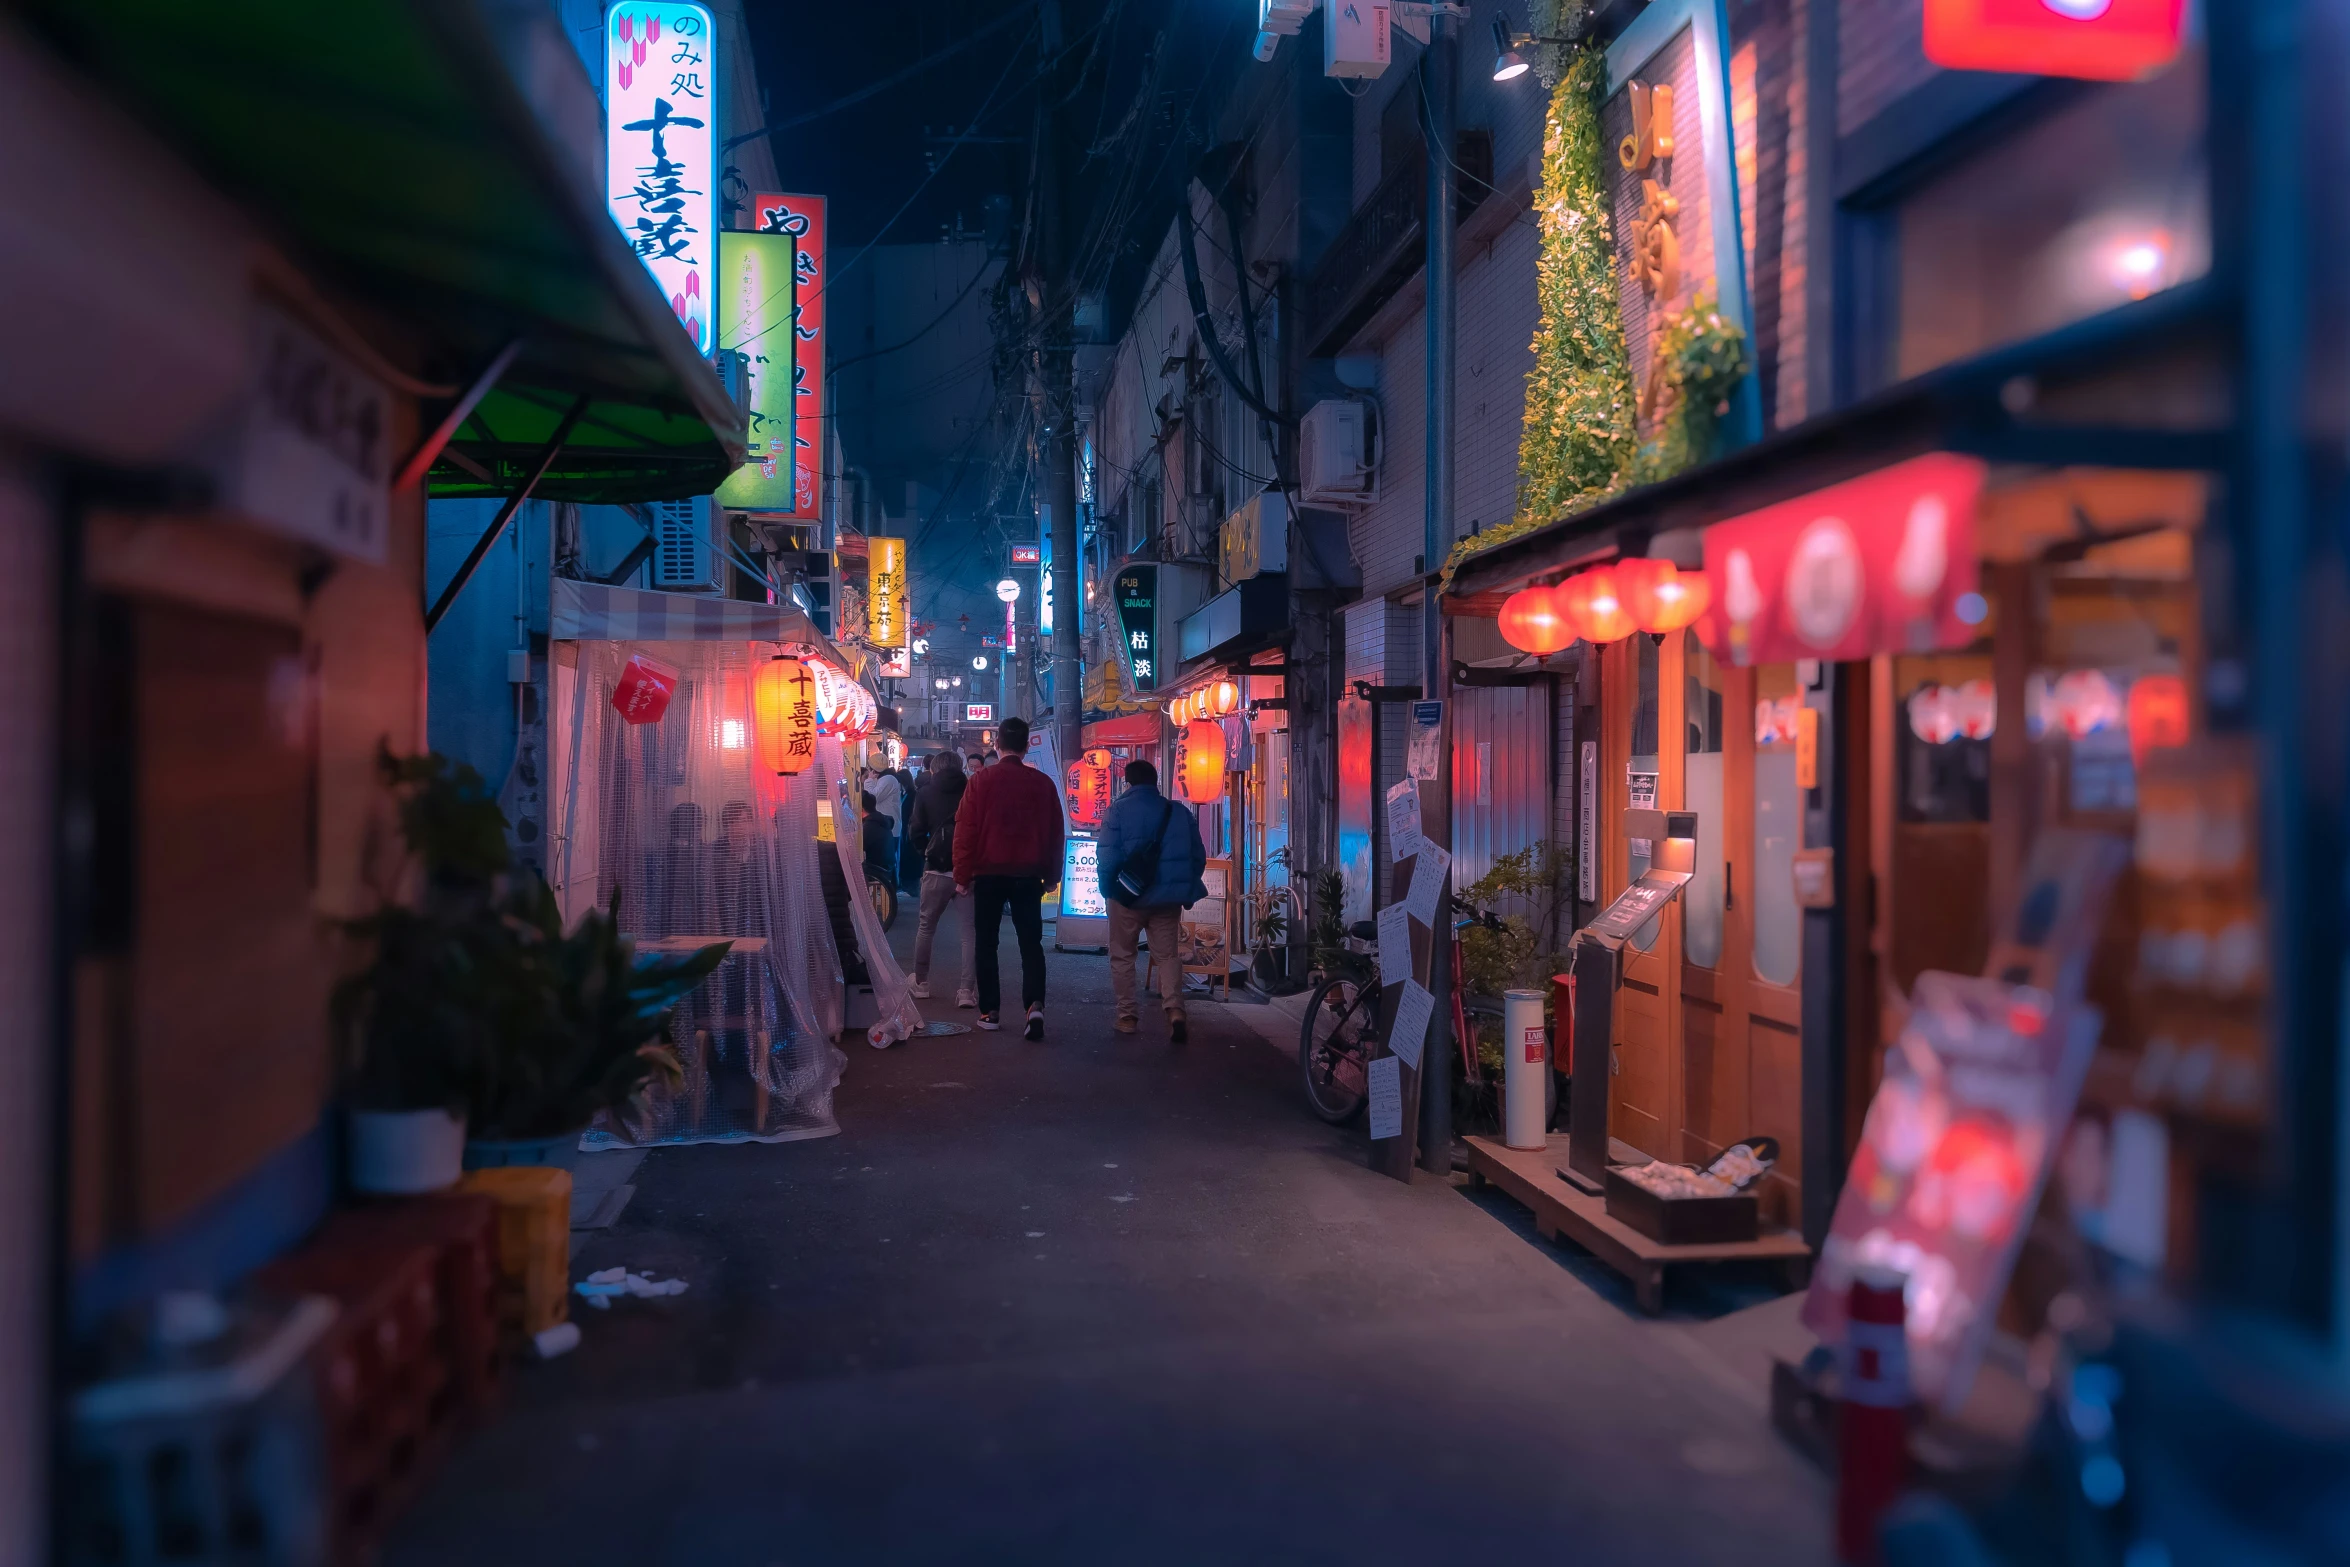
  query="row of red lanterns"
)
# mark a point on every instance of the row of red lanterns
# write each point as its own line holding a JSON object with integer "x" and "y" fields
{"x": 1214, "y": 700}
{"x": 1605, "y": 604}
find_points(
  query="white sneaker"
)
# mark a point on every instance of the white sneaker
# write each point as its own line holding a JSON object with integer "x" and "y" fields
{"x": 921, "y": 990}
{"x": 966, "y": 998}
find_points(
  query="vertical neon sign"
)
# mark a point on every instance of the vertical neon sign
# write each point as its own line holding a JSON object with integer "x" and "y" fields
{"x": 661, "y": 150}
{"x": 802, "y": 217}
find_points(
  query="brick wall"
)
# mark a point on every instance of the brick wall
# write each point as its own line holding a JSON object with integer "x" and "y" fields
{"x": 1880, "y": 55}
{"x": 1768, "y": 117}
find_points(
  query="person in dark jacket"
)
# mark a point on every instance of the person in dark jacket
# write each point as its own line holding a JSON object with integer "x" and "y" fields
{"x": 1007, "y": 847}
{"x": 880, "y": 840}
{"x": 1170, "y": 883}
{"x": 930, "y": 838}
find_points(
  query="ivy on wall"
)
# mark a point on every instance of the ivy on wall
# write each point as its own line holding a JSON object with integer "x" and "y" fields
{"x": 1580, "y": 444}
{"x": 1578, "y": 438}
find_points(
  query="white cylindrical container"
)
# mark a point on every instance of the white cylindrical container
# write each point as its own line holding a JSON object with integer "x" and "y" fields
{"x": 1525, "y": 1069}
{"x": 396, "y": 1153}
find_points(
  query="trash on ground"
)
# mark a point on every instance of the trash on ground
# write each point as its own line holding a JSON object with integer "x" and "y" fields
{"x": 561, "y": 1339}
{"x": 601, "y": 1286}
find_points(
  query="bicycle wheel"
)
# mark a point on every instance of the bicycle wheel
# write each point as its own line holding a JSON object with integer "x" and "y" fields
{"x": 1334, "y": 1048}
{"x": 885, "y": 902}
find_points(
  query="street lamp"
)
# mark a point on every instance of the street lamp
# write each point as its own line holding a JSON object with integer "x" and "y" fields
{"x": 1007, "y": 590}
{"x": 938, "y": 685}
{"x": 921, "y": 647}
{"x": 979, "y": 661}
{"x": 1508, "y": 64}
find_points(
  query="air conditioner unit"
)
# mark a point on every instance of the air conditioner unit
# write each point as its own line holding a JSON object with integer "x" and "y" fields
{"x": 686, "y": 557}
{"x": 1337, "y": 457}
{"x": 1283, "y": 17}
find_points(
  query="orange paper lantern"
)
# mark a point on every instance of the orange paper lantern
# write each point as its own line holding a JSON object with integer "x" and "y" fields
{"x": 783, "y": 714}
{"x": 1593, "y": 604}
{"x": 1530, "y": 622}
{"x": 2158, "y": 715}
{"x": 1226, "y": 696}
{"x": 1659, "y": 596}
{"x": 1203, "y": 762}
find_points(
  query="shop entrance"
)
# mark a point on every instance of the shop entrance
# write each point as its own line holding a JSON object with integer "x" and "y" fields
{"x": 1709, "y": 1020}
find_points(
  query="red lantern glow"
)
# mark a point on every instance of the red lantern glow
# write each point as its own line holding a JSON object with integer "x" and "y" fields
{"x": 1203, "y": 762}
{"x": 1530, "y": 622}
{"x": 1089, "y": 787}
{"x": 2117, "y": 41}
{"x": 2158, "y": 715}
{"x": 783, "y": 716}
{"x": 1659, "y": 596}
{"x": 1594, "y": 605}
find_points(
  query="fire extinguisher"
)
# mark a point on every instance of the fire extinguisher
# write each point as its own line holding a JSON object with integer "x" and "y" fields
{"x": 1873, "y": 1427}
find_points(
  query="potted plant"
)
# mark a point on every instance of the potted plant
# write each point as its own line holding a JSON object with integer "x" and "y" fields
{"x": 584, "y": 1026}
{"x": 412, "y": 1023}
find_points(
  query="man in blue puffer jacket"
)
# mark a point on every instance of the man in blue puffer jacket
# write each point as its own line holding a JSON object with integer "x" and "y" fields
{"x": 1142, "y": 816}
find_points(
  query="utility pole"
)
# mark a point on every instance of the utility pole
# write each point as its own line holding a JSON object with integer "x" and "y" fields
{"x": 1439, "y": 78}
{"x": 1057, "y": 348}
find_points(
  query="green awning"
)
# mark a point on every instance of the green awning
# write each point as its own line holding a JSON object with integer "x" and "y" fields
{"x": 439, "y": 162}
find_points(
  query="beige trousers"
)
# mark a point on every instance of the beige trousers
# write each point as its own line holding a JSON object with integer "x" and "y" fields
{"x": 1166, "y": 962}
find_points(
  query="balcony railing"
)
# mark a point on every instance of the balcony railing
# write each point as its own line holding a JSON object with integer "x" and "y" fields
{"x": 1382, "y": 245}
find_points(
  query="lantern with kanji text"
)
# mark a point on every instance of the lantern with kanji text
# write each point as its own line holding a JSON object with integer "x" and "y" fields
{"x": 783, "y": 716}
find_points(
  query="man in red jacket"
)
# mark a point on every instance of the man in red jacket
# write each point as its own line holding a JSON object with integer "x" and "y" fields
{"x": 1007, "y": 847}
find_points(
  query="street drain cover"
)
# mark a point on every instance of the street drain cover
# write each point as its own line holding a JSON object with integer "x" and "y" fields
{"x": 941, "y": 1029}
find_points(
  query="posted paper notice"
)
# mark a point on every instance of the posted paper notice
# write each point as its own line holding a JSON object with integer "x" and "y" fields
{"x": 1403, "y": 820}
{"x": 1411, "y": 1023}
{"x": 1395, "y": 945}
{"x": 1386, "y": 1076}
{"x": 1428, "y": 874}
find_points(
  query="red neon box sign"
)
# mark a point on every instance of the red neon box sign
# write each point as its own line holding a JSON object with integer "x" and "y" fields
{"x": 2096, "y": 40}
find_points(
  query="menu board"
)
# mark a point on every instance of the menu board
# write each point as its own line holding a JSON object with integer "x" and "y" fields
{"x": 1977, "y": 1094}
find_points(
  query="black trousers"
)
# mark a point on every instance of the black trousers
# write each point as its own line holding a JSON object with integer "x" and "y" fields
{"x": 1024, "y": 896}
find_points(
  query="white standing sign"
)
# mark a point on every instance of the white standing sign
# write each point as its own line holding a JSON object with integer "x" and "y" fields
{"x": 661, "y": 150}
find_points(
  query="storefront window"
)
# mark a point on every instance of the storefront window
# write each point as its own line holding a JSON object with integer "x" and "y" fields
{"x": 1701, "y": 791}
{"x": 2101, "y": 202}
{"x": 1778, "y": 826}
{"x": 1640, "y": 779}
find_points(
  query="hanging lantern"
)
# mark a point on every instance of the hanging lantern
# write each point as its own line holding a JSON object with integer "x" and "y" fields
{"x": 1203, "y": 762}
{"x": 1531, "y": 623}
{"x": 1089, "y": 788}
{"x": 783, "y": 716}
{"x": 1659, "y": 596}
{"x": 1601, "y": 607}
{"x": 2158, "y": 715}
{"x": 1227, "y": 696}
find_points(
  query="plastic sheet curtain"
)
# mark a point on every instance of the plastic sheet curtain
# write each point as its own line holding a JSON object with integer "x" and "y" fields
{"x": 893, "y": 996}
{"x": 700, "y": 844}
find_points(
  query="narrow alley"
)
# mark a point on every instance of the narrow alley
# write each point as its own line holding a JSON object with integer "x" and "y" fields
{"x": 1108, "y": 1300}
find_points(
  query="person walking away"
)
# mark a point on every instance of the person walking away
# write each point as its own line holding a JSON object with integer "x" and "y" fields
{"x": 1007, "y": 846}
{"x": 890, "y": 798}
{"x": 1151, "y": 864}
{"x": 909, "y": 863}
{"x": 930, "y": 838}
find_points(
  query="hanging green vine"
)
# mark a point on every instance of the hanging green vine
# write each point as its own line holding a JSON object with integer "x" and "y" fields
{"x": 1580, "y": 444}
{"x": 1578, "y": 436}
{"x": 1700, "y": 359}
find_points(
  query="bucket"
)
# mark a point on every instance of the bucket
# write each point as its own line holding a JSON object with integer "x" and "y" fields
{"x": 396, "y": 1153}
{"x": 1525, "y": 1069}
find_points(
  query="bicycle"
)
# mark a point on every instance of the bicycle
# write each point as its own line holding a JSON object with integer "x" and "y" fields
{"x": 1340, "y": 1033}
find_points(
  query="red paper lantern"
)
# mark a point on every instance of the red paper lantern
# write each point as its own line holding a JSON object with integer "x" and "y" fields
{"x": 1594, "y": 606}
{"x": 1530, "y": 622}
{"x": 1659, "y": 596}
{"x": 1224, "y": 696}
{"x": 1203, "y": 762}
{"x": 1089, "y": 787}
{"x": 783, "y": 714}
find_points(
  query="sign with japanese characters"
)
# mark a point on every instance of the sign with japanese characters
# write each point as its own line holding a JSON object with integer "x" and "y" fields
{"x": 755, "y": 299}
{"x": 661, "y": 150}
{"x": 2101, "y": 40}
{"x": 802, "y": 217}
{"x": 313, "y": 457}
{"x": 979, "y": 712}
{"x": 1138, "y": 624}
{"x": 885, "y": 591}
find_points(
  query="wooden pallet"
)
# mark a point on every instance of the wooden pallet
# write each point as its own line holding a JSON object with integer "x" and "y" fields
{"x": 1531, "y": 1176}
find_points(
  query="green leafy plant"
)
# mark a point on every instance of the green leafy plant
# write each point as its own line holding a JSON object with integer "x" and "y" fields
{"x": 1701, "y": 358}
{"x": 475, "y": 999}
{"x": 1518, "y": 955}
{"x": 587, "y": 1025}
{"x": 1326, "y": 946}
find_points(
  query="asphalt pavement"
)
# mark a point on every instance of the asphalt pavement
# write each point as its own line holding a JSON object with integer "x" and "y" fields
{"x": 1106, "y": 1299}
